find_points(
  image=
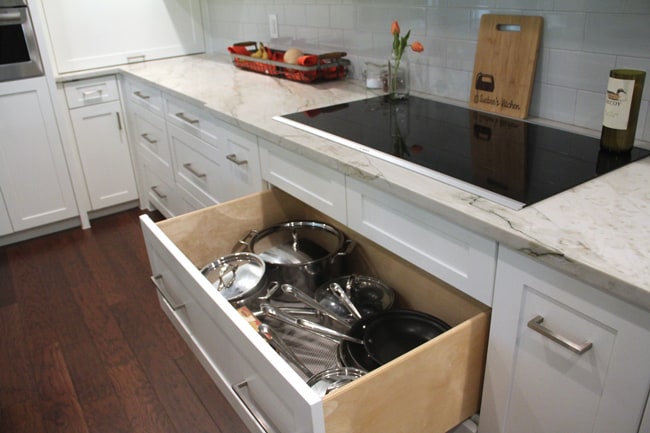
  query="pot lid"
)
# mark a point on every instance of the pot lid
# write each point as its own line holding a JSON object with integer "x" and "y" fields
{"x": 236, "y": 276}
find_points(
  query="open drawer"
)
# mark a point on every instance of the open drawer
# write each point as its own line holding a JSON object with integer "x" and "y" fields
{"x": 430, "y": 389}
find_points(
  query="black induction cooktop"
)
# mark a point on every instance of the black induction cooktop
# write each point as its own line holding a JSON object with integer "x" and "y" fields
{"x": 512, "y": 162}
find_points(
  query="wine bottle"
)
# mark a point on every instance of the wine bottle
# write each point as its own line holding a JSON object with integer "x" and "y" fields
{"x": 622, "y": 103}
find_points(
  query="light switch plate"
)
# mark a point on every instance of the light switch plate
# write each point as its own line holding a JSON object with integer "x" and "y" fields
{"x": 273, "y": 26}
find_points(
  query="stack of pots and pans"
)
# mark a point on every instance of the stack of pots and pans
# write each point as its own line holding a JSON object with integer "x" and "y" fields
{"x": 302, "y": 261}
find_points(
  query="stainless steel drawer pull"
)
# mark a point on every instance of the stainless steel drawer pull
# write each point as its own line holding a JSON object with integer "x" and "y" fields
{"x": 119, "y": 121}
{"x": 141, "y": 95}
{"x": 233, "y": 158}
{"x": 158, "y": 282}
{"x": 89, "y": 93}
{"x": 147, "y": 139}
{"x": 158, "y": 193}
{"x": 536, "y": 325}
{"x": 189, "y": 168}
{"x": 241, "y": 389}
{"x": 184, "y": 118}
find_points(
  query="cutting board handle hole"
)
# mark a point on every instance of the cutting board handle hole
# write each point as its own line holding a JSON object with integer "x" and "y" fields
{"x": 508, "y": 27}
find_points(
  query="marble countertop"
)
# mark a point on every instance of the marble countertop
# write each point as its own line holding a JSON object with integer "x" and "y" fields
{"x": 598, "y": 232}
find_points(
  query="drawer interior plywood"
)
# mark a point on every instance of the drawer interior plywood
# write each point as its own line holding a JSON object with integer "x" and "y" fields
{"x": 432, "y": 388}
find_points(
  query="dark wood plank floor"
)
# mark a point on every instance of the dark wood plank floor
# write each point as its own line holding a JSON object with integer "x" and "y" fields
{"x": 84, "y": 346}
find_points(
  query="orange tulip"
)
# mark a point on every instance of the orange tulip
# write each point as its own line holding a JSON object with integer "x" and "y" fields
{"x": 417, "y": 47}
{"x": 394, "y": 28}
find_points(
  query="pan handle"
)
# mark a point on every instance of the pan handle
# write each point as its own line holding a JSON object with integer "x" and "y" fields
{"x": 244, "y": 242}
{"x": 301, "y": 296}
{"x": 346, "y": 249}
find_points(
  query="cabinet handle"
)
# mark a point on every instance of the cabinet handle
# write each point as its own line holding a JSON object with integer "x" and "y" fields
{"x": 536, "y": 325}
{"x": 158, "y": 193}
{"x": 141, "y": 95}
{"x": 119, "y": 121}
{"x": 147, "y": 139}
{"x": 233, "y": 158}
{"x": 189, "y": 168}
{"x": 158, "y": 283}
{"x": 186, "y": 119}
{"x": 242, "y": 391}
{"x": 88, "y": 94}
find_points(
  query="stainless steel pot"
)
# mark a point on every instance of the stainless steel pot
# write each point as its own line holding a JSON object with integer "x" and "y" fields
{"x": 304, "y": 254}
{"x": 241, "y": 279}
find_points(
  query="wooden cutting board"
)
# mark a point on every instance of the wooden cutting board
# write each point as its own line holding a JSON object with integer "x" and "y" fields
{"x": 505, "y": 63}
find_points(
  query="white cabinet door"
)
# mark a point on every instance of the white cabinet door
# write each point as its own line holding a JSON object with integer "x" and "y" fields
{"x": 104, "y": 152}
{"x": 90, "y": 34}
{"x": 5, "y": 222}
{"x": 33, "y": 171}
{"x": 534, "y": 383}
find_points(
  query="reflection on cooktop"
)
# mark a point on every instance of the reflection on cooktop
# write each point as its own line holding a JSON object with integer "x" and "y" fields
{"x": 512, "y": 162}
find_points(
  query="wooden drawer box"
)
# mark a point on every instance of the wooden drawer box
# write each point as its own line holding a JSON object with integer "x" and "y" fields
{"x": 430, "y": 389}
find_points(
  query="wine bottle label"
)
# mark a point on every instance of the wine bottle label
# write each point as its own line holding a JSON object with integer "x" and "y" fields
{"x": 618, "y": 103}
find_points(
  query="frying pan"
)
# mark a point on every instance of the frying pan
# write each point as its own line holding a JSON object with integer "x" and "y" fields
{"x": 387, "y": 335}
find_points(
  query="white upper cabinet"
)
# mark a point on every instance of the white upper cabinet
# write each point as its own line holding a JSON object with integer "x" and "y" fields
{"x": 91, "y": 34}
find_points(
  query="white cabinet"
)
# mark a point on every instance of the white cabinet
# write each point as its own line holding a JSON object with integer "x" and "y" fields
{"x": 186, "y": 158}
{"x": 458, "y": 256}
{"x": 33, "y": 172}
{"x": 534, "y": 382}
{"x": 430, "y": 389}
{"x": 97, "y": 120}
{"x": 5, "y": 222}
{"x": 92, "y": 34}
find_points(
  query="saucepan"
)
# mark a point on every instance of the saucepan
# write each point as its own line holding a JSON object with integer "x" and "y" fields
{"x": 302, "y": 253}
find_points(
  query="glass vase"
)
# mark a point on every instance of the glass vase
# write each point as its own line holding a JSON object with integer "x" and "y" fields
{"x": 398, "y": 76}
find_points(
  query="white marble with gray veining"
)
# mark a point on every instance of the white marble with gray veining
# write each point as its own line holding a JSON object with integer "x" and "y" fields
{"x": 598, "y": 232}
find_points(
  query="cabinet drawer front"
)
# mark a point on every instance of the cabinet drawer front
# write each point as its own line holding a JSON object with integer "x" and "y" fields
{"x": 242, "y": 164}
{"x": 246, "y": 368}
{"x": 193, "y": 119}
{"x": 161, "y": 193}
{"x": 149, "y": 132}
{"x": 144, "y": 94}
{"x": 314, "y": 184}
{"x": 91, "y": 91}
{"x": 462, "y": 258}
{"x": 198, "y": 166}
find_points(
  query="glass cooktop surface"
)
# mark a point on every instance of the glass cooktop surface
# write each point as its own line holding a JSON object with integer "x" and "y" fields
{"x": 512, "y": 162}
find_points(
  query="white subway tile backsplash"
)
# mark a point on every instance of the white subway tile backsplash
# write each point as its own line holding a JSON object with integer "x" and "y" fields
{"x": 582, "y": 41}
{"x": 553, "y": 103}
{"x": 590, "y": 107}
{"x": 564, "y": 31}
{"x": 618, "y": 34}
{"x": 579, "y": 70}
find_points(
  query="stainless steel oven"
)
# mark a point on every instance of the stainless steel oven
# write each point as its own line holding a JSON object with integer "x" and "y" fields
{"x": 19, "y": 54}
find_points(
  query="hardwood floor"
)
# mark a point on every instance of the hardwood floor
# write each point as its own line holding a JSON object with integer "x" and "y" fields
{"x": 85, "y": 347}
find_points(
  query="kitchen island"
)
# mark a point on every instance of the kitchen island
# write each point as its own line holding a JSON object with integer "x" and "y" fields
{"x": 597, "y": 232}
{"x": 567, "y": 278}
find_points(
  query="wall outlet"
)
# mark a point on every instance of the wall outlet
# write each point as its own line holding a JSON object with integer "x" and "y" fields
{"x": 273, "y": 26}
